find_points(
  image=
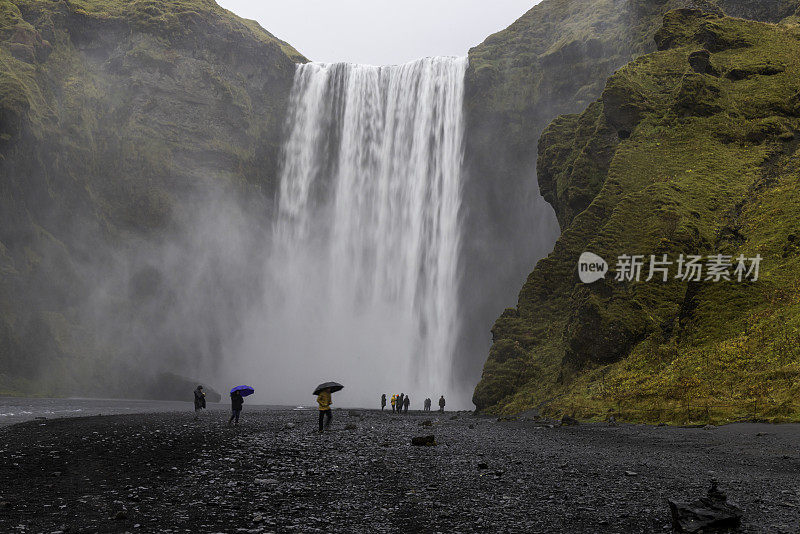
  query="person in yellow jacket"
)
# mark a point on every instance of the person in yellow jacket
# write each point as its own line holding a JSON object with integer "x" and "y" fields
{"x": 394, "y": 401}
{"x": 324, "y": 401}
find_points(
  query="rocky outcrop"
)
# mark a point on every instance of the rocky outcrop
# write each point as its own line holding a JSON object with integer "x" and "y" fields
{"x": 554, "y": 60}
{"x": 117, "y": 120}
{"x": 675, "y": 157}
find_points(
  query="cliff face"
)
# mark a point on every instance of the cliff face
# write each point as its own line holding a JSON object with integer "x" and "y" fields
{"x": 554, "y": 60}
{"x": 117, "y": 121}
{"x": 689, "y": 150}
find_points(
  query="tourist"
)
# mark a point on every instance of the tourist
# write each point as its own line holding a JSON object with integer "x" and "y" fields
{"x": 406, "y": 402}
{"x": 441, "y": 403}
{"x": 324, "y": 400}
{"x": 383, "y": 401}
{"x": 199, "y": 401}
{"x": 236, "y": 407}
{"x": 394, "y": 402}
{"x": 400, "y": 400}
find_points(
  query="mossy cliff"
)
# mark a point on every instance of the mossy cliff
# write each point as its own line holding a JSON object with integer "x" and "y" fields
{"x": 692, "y": 149}
{"x": 114, "y": 115}
{"x": 554, "y": 60}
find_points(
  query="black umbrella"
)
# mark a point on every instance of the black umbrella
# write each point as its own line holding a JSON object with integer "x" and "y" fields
{"x": 334, "y": 386}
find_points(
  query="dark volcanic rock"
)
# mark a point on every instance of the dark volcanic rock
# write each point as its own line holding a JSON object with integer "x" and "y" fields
{"x": 700, "y": 61}
{"x": 423, "y": 441}
{"x": 568, "y": 421}
{"x": 710, "y": 512}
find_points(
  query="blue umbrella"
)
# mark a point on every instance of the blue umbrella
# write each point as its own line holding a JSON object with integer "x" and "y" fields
{"x": 244, "y": 390}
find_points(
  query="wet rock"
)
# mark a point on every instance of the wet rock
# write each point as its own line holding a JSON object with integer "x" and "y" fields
{"x": 426, "y": 422}
{"x": 120, "y": 516}
{"x": 700, "y": 61}
{"x": 351, "y": 426}
{"x": 483, "y": 465}
{"x": 423, "y": 441}
{"x": 710, "y": 512}
{"x": 568, "y": 421}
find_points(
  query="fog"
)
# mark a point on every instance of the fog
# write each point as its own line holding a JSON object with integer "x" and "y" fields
{"x": 381, "y": 32}
{"x": 343, "y": 263}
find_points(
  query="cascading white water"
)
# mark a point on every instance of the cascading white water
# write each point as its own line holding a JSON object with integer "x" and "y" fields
{"x": 364, "y": 261}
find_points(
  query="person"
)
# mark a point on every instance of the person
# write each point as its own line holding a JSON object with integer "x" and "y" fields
{"x": 324, "y": 401}
{"x": 394, "y": 402}
{"x": 441, "y": 403}
{"x": 406, "y": 402}
{"x": 383, "y": 401}
{"x": 426, "y": 406}
{"x": 236, "y": 407}
{"x": 400, "y": 401}
{"x": 199, "y": 401}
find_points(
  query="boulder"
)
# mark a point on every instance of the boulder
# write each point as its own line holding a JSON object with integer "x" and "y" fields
{"x": 700, "y": 61}
{"x": 568, "y": 421}
{"x": 710, "y": 512}
{"x": 423, "y": 441}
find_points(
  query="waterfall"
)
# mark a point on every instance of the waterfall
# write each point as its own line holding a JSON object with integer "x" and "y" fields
{"x": 364, "y": 253}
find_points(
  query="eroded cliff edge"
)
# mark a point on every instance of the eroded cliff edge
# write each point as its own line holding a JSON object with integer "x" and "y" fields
{"x": 691, "y": 149}
{"x": 554, "y": 60}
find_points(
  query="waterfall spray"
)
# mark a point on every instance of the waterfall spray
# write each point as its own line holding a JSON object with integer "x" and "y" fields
{"x": 362, "y": 275}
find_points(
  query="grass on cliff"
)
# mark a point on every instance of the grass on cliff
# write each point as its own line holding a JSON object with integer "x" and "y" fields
{"x": 708, "y": 164}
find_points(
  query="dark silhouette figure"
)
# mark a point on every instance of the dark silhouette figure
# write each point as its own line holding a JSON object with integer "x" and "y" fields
{"x": 324, "y": 400}
{"x": 400, "y": 401}
{"x": 441, "y": 403}
{"x": 199, "y": 401}
{"x": 236, "y": 407}
{"x": 406, "y": 402}
{"x": 383, "y": 401}
{"x": 427, "y": 405}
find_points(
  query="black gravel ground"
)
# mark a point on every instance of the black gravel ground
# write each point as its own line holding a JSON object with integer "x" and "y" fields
{"x": 275, "y": 473}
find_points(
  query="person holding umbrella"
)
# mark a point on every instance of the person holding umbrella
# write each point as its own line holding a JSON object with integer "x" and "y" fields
{"x": 323, "y": 393}
{"x": 199, "y": 401}
{"x": 237, "y": 400}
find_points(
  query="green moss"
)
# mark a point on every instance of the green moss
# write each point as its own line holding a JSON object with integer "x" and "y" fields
{"x": 701, "y": 164}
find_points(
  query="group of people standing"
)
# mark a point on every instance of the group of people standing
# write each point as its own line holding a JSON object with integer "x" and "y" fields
{"x": 401, "y": 402}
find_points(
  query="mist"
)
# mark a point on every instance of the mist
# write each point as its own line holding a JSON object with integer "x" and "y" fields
{"x": 325, "y": 244}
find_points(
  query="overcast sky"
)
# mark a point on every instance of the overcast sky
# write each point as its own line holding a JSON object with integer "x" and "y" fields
{"x": 381, "y": 32}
